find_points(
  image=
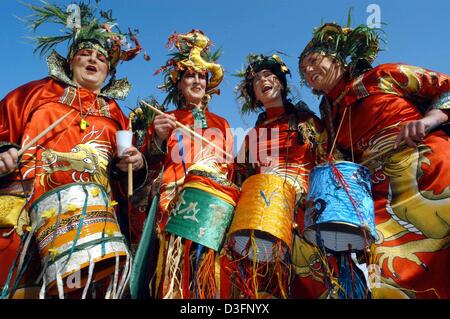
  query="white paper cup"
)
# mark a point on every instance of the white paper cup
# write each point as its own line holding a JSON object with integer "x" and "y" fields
{"x": 123, "y": 140}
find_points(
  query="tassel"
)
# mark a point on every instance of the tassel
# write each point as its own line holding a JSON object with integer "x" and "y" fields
{"x": 205, "y": 276}
{"x": 24, "y": 251}
{"x": 254, "y": 272}
{"x": 197, "y": 261}
{"x": 125, "y": 276}
{"x": 158, "y": 275}
{"x": 116, "y": 276}
{"x": 43, "y": 288}
{"x": 282, "y": 282}
{"x": 59, "y": 283}
{"x": 89, "y": 279}
{"x": 172, "y": 270}
{"x": 352, "y": 282}
{"x": 217, "y": 275}
{"x": 5, "y": 235}
{"x": 109, "y": 289}
{"x": 187, "y": 269}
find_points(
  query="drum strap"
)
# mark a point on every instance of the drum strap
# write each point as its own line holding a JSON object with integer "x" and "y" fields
{"x": 197, "y": 260}
{"x": 105, "y": 199}
{"x": 181, "y": 148}
{"x": 217, "y": 274}
{"x": 187, "y": 268}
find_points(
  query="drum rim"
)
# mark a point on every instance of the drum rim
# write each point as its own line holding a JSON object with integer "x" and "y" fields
{"x": 325, "y": 164}
{"x": 357, "y": 230}
{"x": 288, "y": 249}
{"x": 59, "y": 188}
{"x": 229, "y": 207}
{"x": 275, "y": 176}
{"x": 329, "y": 223}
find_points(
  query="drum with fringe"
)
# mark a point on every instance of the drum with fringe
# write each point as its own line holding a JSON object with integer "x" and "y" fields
{"x": 340, "y": 209}
{"x": 262, "y": 227}
{"x": 202, "y": 214}
{"x": 77, "y": 234}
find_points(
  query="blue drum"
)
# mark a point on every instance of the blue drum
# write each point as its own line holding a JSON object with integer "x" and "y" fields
{"x": 339, "y": 207}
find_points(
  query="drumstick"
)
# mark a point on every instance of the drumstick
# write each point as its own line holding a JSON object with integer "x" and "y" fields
{"x": 195, "y": 134}
{"x": 130, "y": 170}
{"x": 43, "y": 133}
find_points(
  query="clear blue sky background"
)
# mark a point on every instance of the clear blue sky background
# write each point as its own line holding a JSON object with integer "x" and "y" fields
{"x": 417, "y": 34}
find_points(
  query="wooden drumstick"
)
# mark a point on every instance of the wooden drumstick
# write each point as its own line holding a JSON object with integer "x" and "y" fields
{"x": 43, "y": 133}
{"x": 130, "y": 169}
{"x": 195, "y": 134}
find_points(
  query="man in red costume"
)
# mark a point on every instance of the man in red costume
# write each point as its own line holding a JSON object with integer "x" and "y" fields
{"x": 80, "y": 150}
{"x": 391, "y": 118}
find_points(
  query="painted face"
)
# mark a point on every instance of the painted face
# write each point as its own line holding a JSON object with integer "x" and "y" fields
{"x": 321, "y": 72}
{"x": 90, "y": 69}
{"x": 193, "y": 87}
{"x": 267, "y": 87}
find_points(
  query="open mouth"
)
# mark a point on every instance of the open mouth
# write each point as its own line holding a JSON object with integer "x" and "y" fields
{"x": 266, "y": 88}
{"x": 59, "y": 164}
{"x": 315, "y": 77}
{"x": 56, "y": 165}
{"x": 91, "y": 68}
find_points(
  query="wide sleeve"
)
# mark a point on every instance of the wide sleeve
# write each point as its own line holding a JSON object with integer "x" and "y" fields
{"x": 16, "y": 109}
{"x": 418, "y": 84}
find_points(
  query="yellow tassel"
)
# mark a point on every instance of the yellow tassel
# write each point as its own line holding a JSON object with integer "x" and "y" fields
{"x": 114, "y": 203}
{"x": 71, "y": 208}
{"x": 109, "y": 232}
{"x": 95, "y": 192}
{"x": 83, "y": 124}
{"x": 173, "y": 276}
{"x": 206, "y": 276}
{"x": 48, "y": 213}
{"x": 53, "y": 253}
{"x": 159, "y": 267}
{"x": 217, "y": 273}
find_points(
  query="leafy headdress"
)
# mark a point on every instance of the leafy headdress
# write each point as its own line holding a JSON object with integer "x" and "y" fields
{"x": 193, "y": 54}
{"x": 354, "y": 48}
{"x": 83, "y": 28}
{"x": 256, "y": 63}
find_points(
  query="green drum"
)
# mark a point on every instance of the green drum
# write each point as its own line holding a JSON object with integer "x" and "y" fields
{"x": 201, "y": 214}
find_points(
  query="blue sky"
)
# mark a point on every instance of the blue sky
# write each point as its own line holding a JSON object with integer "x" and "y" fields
{"x": 417, "y": 34}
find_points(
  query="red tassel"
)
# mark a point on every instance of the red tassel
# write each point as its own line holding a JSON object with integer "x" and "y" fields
{"x": 186, "y": 269}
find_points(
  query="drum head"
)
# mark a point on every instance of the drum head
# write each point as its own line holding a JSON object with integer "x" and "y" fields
{"x": 338, "y": 236}
{"x": 266, "y": 249}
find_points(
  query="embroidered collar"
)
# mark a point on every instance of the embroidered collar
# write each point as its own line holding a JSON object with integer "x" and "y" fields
{"x": 115, "y": 89}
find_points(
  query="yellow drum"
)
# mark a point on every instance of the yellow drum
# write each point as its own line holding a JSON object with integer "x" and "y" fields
{"x": 263, "y": 221}
{"x": 77, "y": 234}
